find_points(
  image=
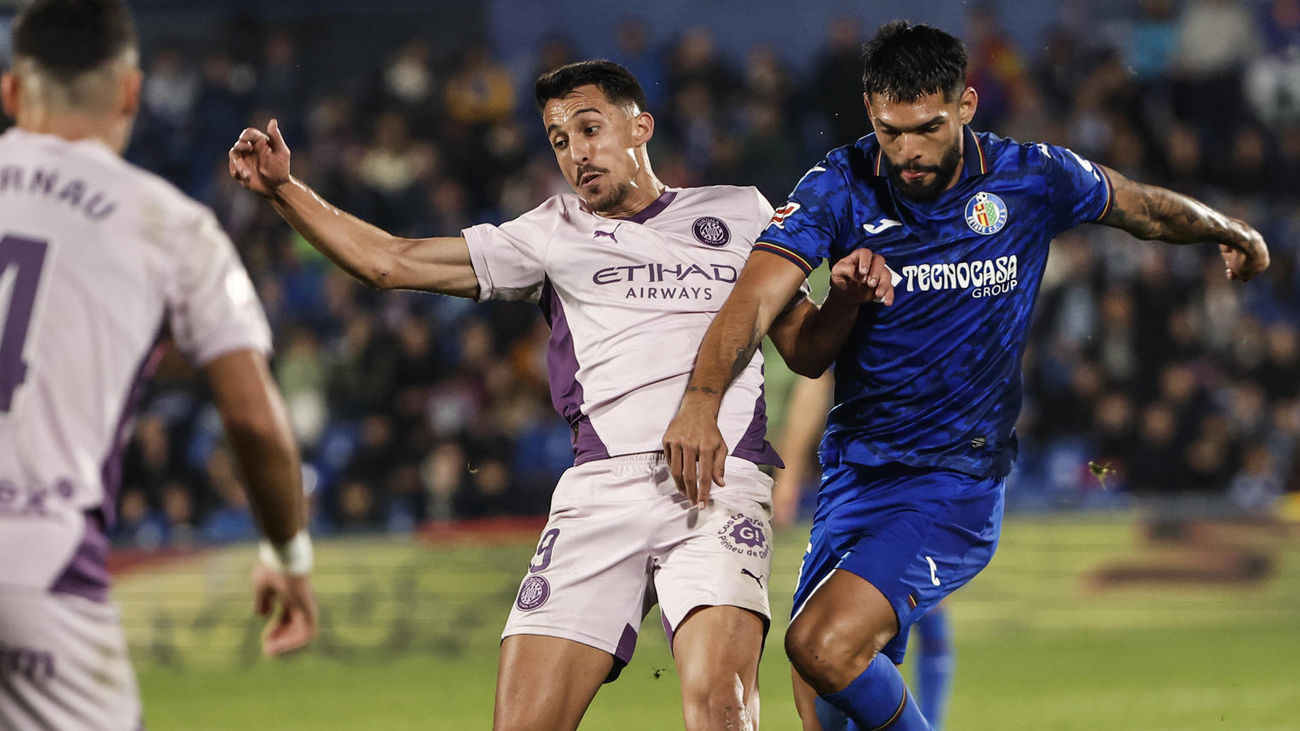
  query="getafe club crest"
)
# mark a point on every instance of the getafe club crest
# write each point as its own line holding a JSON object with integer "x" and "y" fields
{"x": 711, "y": 231}
{"x": 986, "y": 213}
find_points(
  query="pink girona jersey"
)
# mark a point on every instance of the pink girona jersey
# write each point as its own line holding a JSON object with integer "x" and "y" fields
{"x": 96, "y": 258}
{"x": 629, "y": 301}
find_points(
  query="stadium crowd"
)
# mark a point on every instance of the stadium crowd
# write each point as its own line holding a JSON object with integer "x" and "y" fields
{"x": 413, "y": 408}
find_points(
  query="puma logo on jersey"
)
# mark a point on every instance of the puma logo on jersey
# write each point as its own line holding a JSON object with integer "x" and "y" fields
{"x": 881, "y": 225}
{"x": 753, "y": 576}
{"x": 933, "y": 578}
{"x": 610, "y": 234}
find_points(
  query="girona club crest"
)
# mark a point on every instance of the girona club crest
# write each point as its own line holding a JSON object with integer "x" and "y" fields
{"x": 986, "y": 213}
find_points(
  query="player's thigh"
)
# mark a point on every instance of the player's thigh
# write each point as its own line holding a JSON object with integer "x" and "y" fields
{"x": 589, "y": 579}
{"x": 916, "y": 536}
{"x": 63, "y": 664}
{"x": 716, "y": 646}
{"x": 720, "y": 556}
{"x": 546, "y": 682}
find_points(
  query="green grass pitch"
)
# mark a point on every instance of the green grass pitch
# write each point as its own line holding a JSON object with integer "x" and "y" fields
{"x": 409, "y": 639}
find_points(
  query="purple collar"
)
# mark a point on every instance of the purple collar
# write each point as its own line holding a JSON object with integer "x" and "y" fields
{"x": 652, "y": 210}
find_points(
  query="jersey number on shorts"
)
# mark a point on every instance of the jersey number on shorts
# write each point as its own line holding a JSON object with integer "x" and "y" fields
{"x": 544, "y": 550}
{"x": 21, "y": 262}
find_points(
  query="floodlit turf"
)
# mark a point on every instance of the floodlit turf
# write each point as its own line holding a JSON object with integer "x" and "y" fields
{"x": 409, "y": 640}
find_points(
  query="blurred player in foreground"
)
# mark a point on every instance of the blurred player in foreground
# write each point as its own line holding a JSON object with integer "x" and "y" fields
{"x": 96, "y": 259}
{"x": 927, "y": 391}
{"x": 629, "y": 274}
{"x": 934, "y": 662}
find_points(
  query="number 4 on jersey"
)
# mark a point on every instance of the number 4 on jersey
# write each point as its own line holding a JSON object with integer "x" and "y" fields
{"x": 21, "y": 262}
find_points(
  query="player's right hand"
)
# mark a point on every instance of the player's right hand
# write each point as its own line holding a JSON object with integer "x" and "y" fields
{"x": 862, "y": 276}
{"x": 260, "y": 160}
{"x": 1251, "y": 259}
{"x": 696, "y": 452}
{"x": 294, "y": 625}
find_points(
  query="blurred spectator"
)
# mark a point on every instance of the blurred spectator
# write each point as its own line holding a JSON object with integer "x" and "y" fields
{"x": 840, "y": 67}
{"x": 636, "y": 54}
{"x": 479, "y": 91}
{"x": 410, "y": 408}
{"x": 996, "y": 69}
{"x": 390, "y": 169}
{"x": 1216, "y": 40}
{"x": 1153, "y": 40}
{"x": 279, "y": 83}
{"x": 407, "y": 85}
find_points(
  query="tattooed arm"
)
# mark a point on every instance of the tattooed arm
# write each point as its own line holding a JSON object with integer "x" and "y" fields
{"x": 1151, "y": 212}
{"x": 765, "y": 286}
{"x": 808, "y": 338}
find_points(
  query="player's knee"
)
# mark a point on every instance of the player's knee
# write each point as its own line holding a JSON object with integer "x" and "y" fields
{"x": 720, "y": 701}
{"x": 824, "y": 657}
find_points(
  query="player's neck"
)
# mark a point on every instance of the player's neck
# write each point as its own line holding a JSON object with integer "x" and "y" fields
{"x": 961, "y": 162}
{"x": 77, "y": 126}
{"x": 644, "y": 191}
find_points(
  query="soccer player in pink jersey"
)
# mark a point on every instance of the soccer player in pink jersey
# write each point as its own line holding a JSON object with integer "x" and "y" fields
{"x": 629, "y": 273}
{"x": 97, "y": 257}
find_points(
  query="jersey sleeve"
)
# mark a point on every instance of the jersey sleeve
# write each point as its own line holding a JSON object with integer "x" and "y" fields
{"x": 213, "y": 306}
{"x": 1078, "y": 190}
{"x": 803, "y": 229}
{"x": 509, "y": 259}
{"x": 762, "y": 220}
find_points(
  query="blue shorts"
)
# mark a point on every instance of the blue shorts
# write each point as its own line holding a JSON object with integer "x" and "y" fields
{"x": 916, "y": 534}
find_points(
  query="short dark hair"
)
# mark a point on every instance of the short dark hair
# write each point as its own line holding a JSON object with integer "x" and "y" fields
{"x": 618, "y": 84}
{"x": 905, "y": 62}
{"x": 71, "y": 37}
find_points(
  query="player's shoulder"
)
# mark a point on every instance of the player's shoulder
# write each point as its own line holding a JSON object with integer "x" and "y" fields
{"x": 1008, "y": 154}
{"x": 133, "y": 185}
{"x": 739, "y": 203}
{"x": 856, "y": 163}
{"x": 729, "y": 194}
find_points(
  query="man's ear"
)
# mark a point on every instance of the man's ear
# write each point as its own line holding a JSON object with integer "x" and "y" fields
{"x": 129, "y": 93}
{"x": 969, "y": 102}
{"x": 643, "y": 128}
{"x": 866, "y": 102}
{"x": 9, "y": 93}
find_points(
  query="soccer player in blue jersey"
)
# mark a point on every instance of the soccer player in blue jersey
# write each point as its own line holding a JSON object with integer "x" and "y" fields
{"x": 928, "y": 389}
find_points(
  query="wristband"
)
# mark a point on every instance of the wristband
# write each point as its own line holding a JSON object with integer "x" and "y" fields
{"x": 293, "y": 557}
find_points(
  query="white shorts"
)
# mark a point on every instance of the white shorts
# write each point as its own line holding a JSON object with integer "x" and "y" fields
{"x": 621, "y": 538}
{"x": 63, "y": 664}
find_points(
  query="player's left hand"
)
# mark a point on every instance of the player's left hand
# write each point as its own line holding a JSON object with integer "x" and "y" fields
{"x": 1243, "y": 265}
{"x": 695, "y": 451}
{"x": 862, "y": 276}
{"x": 294, "y": 625}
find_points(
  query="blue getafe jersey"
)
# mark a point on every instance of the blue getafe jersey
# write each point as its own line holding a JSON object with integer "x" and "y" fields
{"x": 934, "y": 380}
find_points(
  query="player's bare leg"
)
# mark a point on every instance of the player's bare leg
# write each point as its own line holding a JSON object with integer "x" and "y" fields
{"x": 805, "y": 702}
{"x": 838, "y": 631}
{"x": 717, "y": 651}
{"x": 546, "y": 683}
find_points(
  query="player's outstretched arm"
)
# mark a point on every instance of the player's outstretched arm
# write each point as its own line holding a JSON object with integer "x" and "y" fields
{"x": 260, "y": 162}
{"x": 810, "y": 338}
{"x": 1151, "y": 212}
{"x": 258, "y": 429}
